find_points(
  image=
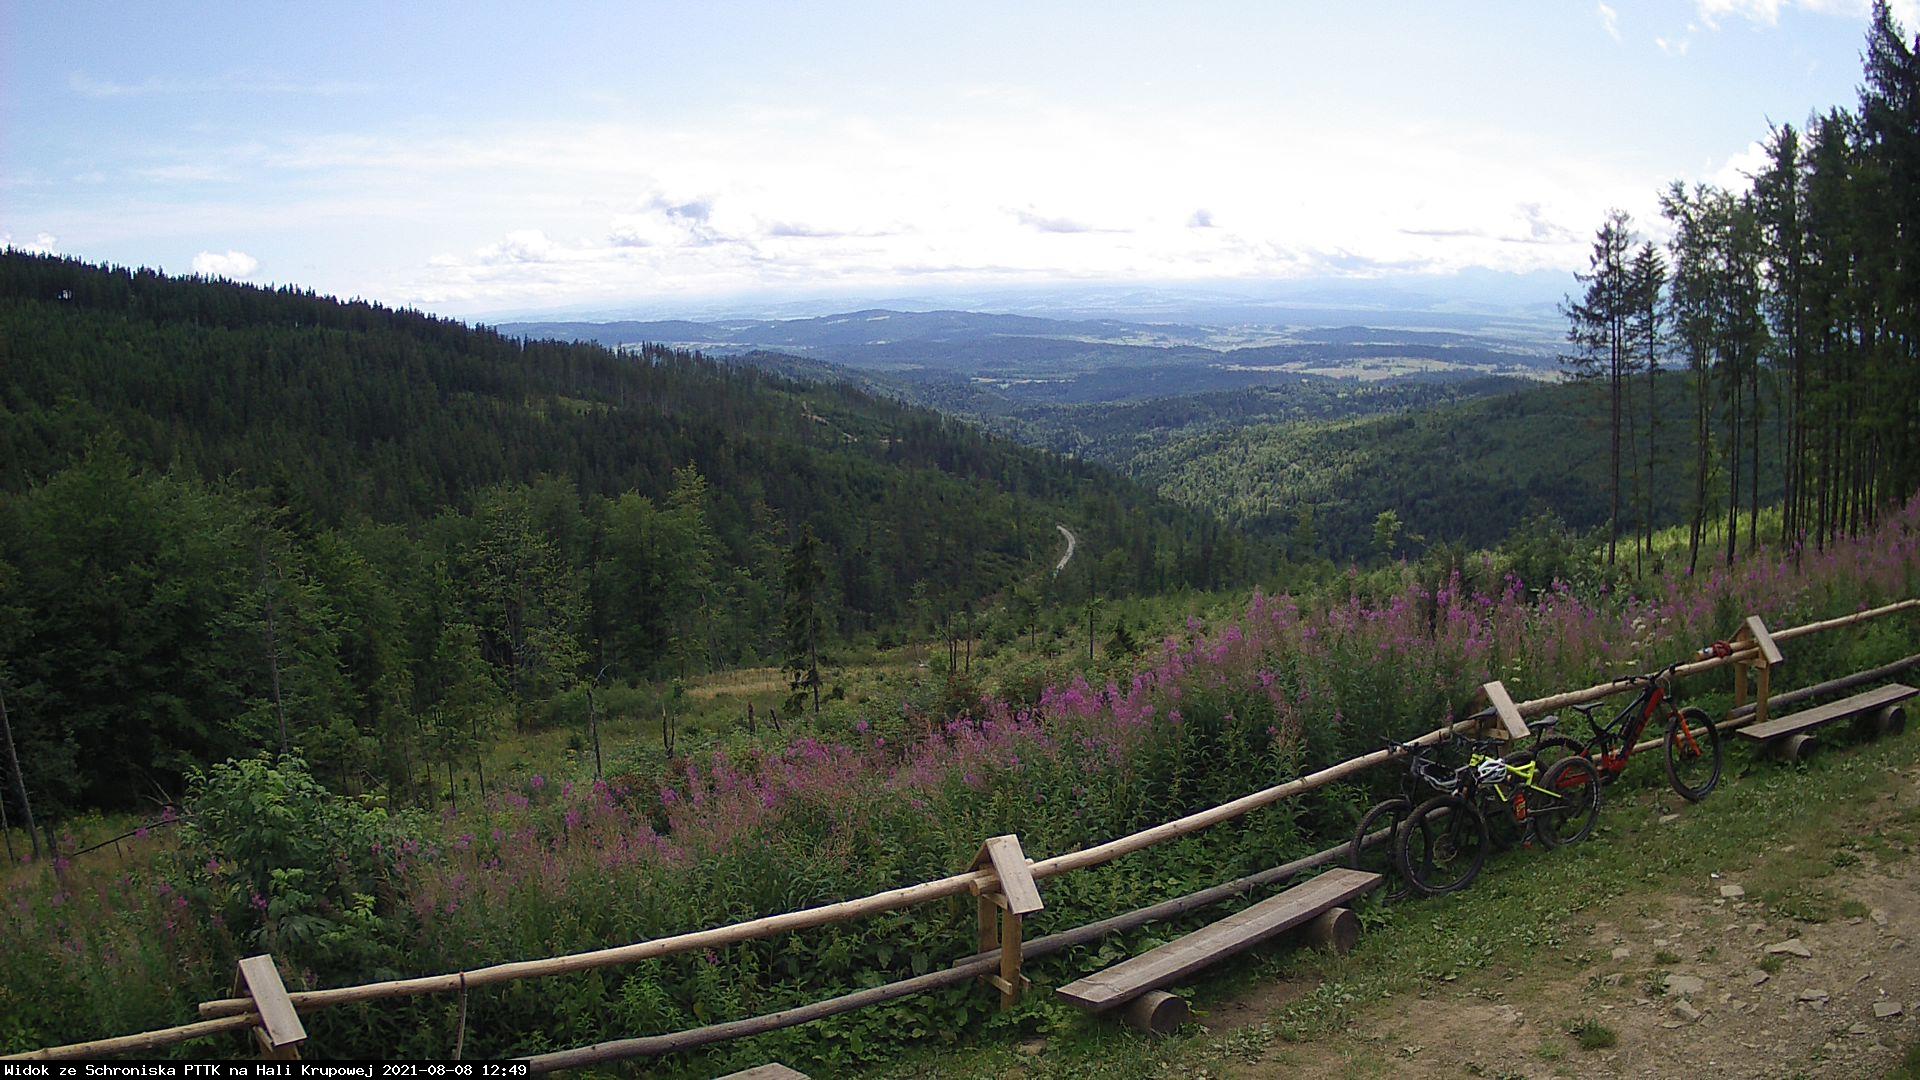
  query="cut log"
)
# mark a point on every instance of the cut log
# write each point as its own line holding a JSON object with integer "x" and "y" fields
{"x": 1796, "y": 747}
{"x": 1157, "y": 1012}
{"x": 1335, "y": 930}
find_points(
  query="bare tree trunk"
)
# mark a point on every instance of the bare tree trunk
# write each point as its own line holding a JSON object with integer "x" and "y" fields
{"x": 593, "y": 726}
{"x": 479, "y": 757}
{"x": 1753, "y": 479}
{"x": 1633, "y": 473}
{"x": 1699, "y": 470}
{"x": 1733, "y": 469}
{"x": 1613, "y": 511}
{"x": 19, "y": 780}
{"x": 271, "y": 630}
{"x": 6, "y": 829}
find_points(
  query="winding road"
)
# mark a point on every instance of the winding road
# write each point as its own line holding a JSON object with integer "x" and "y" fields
{"x": 1072, "y": 542}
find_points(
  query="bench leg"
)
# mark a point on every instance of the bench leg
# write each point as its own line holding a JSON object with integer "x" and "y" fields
{"x": 1157, "y": 1012}
{"x": 1335, "y": 930}
{"x": 1891, "y": 720}
{"x": 1796, "y": 748}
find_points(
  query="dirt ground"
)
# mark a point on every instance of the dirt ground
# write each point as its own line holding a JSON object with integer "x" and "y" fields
{"x": 1702, "y": 982}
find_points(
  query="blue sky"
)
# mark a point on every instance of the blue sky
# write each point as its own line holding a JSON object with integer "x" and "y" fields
{"x": 474, "y": 157}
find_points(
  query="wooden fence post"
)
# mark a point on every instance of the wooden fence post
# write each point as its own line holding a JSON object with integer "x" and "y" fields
{"x": 1002, "y": 903}
{"x": 1508, "y": 724}
{"x": 1758, "y": 670}
{"x": 280, "y": 1032}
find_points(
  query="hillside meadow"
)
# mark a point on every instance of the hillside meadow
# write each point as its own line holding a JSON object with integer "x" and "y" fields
{"x": 343, "y": 890}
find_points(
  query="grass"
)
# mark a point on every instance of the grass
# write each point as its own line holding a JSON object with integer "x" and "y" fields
{"x": 1519, "y": 922}
{"x": 1591, "y": 1034}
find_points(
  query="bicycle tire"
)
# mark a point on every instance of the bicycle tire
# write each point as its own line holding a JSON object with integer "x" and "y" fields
{"x": 1553, "y": 749}
{"x": 1691, "y": 754}
{"x": 1442, "y": 845}
{"x": 1391, "y": 812}
{"x": 1504, "y": 829}
{"x": 1575, "y": 807}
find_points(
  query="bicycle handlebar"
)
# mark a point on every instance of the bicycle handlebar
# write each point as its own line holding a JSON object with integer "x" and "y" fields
{"x": 1650, "y": 676}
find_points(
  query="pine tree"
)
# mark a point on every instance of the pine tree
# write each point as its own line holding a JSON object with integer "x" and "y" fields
{"x": 806, "y": 581}
{"x": 1599, "y": 329}
{"x": 1649, "y": 280}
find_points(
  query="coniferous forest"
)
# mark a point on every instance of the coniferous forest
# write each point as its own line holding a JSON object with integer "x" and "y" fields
{"x": 1792, "y": 310}
{"x": 313, "y": 614}
{"x": 1765, "y": 353}
{"x": 239, "y": 519}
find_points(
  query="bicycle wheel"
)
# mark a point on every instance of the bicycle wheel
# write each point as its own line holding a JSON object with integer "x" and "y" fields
{"x": 1442, "y": 845}
{"x": 1507, "y": 826}
{"x": 1554, "y": 749}
{"x": 1377, "y": 857}
{"x": 1569, "y": 815}
{"x": 1693, "y": 754}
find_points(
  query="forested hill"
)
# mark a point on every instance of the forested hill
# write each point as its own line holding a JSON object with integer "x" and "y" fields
{"x": 1463, "y": 472}
{"x": 350, "y": 411}
{"x": 192, "y": 473}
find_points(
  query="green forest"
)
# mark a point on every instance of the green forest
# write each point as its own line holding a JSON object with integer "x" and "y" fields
{"x": 237, "y": 518}
{"x": 1768, "y": 352}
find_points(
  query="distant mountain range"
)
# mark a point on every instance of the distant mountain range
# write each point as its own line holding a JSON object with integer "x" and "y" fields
{"x": 1029, "y": 360}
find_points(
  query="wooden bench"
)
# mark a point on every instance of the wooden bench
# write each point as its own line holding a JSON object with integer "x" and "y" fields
{"x": 1875, "y": 712}
{"x": 1174, "y": 962}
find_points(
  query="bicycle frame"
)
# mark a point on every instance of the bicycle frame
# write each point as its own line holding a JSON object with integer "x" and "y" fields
{"x": 1514, "y": 797}
{"x": 1611, "y": 744}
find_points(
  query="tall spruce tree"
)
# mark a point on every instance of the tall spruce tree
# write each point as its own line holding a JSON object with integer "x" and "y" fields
{"x": 806, "y": 581}
{"x": 1599, "y": 329}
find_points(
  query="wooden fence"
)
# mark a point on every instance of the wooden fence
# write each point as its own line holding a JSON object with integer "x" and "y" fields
{"x": 1000, "y": 873}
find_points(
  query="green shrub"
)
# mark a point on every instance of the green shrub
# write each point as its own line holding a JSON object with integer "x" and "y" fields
{"x": 291, "y": 868}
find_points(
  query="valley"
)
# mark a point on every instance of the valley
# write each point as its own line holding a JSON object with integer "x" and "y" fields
{"x": 744, "y": 534}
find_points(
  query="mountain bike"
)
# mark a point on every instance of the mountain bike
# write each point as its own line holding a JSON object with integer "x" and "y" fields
{"x": 1424, "y": 774}
{"x": 1565, "y": 801}
{"x": 1692, "y": 743}
{"x": 1443, "y": 844}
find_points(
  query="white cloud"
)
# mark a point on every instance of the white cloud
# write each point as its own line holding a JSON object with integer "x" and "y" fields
{"x": 237, "y": 265}
{"x": 1610, "y": 19}
{"x": 589, "y": 212}
{"x": 1674, "y": 47}
{"x": 1738, "y": 171}
{"x": 765, "y": 210}
{"x": 41, "y": 244}
{"x": 1767, "y": 12}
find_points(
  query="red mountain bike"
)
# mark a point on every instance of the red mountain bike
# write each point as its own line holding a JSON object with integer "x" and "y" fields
{"x": 1692, "y": 743}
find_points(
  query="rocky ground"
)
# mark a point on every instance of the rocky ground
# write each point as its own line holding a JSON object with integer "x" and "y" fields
{"x": 1754, "y": 971}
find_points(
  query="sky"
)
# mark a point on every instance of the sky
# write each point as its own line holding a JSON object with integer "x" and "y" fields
{"x": 480, "y": 158}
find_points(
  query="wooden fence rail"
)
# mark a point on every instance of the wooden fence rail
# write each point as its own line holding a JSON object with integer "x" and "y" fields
{"x": 239, "y": 1012}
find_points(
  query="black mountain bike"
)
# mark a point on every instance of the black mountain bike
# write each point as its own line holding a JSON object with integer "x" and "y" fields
{"x": 1424, "y": 775}
{"x": 1692, "y": 743}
